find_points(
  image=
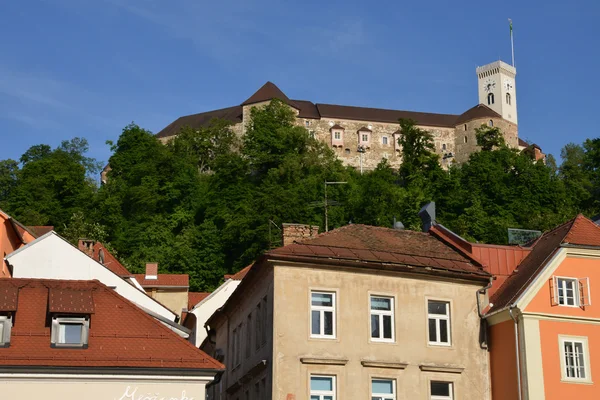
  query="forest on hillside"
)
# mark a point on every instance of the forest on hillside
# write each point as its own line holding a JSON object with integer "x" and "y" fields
{"x": 208, "y": 203}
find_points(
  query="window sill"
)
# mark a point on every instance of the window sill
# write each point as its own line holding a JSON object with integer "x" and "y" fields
{"x": 440, "y": 345}
{"x": 323, "y": 337}
{"x": 382, "y": 341}
{"x": 577, "y": 381}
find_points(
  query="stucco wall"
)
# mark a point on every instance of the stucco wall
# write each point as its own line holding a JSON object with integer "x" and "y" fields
{"x": 293, "y": 342}
{"x": 503, "y": 361}
{"x": 174, "y": 299}
{"x": 78, "y": 388}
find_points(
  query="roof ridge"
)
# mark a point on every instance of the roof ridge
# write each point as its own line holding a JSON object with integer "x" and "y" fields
{"x": 385, "y": 109}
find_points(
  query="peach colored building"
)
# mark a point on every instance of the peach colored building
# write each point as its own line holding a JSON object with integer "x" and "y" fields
{"x": 544, "y": 321}
{"x": 13, "y": 235}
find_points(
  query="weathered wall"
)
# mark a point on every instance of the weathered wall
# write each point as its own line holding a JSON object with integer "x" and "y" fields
{"x": 174, "y": 299}
{"x": 353, "y": 343}
{"x": 466, "y": 140}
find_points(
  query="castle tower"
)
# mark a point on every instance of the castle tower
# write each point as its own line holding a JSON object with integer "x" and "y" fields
{"x": 497, "y": 89}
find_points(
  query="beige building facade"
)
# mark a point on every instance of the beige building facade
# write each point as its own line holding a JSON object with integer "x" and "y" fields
{"x": 362, "y": 137}
{"x": 329, "y": 317}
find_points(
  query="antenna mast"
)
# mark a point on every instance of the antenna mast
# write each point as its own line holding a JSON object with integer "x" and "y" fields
{"x": 512, "y": 42}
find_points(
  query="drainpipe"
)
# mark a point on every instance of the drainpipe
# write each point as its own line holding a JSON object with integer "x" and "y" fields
{"x": 510, "y": 311}
{"x": 482, "y": 291}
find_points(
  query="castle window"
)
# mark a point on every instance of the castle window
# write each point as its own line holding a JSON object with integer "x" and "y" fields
{"x": 465, "y": 127}
{"x": 508, "y": 99}
{"x": 384, "y": 140}
{"x": 465, "y": 139}
{"x": 490, "y": 123}
{"x": 337, "y": 135}
{"x": 307, "y": 123}
{"x": 490, "y": 99}
{"x": 444, "y": 146}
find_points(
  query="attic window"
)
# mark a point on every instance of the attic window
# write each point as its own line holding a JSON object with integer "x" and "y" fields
{"x": 70, "y": 332}
{"x": 5, "y": 326}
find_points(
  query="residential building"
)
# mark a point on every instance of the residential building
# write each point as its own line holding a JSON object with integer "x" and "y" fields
{"x": 14, "y": 235}
{"x": 364, "y": 136}
{"x": 358, "y": 312}
{"x": 168, "y": 289}
{"x": 544, "y": 328}
{"x": 203, "y": 305}
{"x": 52, "y": 257}
{"x": 71, "y": 340}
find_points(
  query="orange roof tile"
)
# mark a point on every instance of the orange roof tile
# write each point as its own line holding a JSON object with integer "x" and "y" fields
{"x": 174, "y": 280}
{"x": 195, "y": 298}
{"x": 120, "y": 334}
{"x": 238, "y": 276}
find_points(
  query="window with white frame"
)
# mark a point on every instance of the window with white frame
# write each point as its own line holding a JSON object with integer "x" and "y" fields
{"x": 70, "y": 332}
{"x": 571, "y": 292}
{"x": 383, "y": 389}
{"x": 365, "y": 137}
{"x": 382, "y": 318}
{"x": 441, "y": 391}
{"x": 322, "y": 314}
{"x": 575, "y": 359}
{"x": 5, "y": 327}
{"x": 337, "y": 135}
{"x": 384, "y": 140}
{"x": 438, "y": 313}
{"x": 322, "y": 387}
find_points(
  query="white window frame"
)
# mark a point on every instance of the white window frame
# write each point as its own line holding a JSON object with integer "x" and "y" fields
{"x": 364, "y": 138}
{"x": 384, "y": 396}
{"x": 451, "y": 397}
{"x": 322, "y": 310}
{"x": 6, "y": 323}
{"x": 323, "y": 393}
{"x": 384, "y": 140}
{"x": 337, "y": 135}
{"x": 380, "y": 314}
{"x": 582, "y": 296}
{"x": 586, "y": 359}
{"x": 60, "y": 320}
{"x": 438, "y": 318}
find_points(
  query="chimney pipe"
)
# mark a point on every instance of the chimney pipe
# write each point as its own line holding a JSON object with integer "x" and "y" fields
{"x": 87, "y": 246}
{"x": 427, "y": 215}
{"x": 151, "y": 271}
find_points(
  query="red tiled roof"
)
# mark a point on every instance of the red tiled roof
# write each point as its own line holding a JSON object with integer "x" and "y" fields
{"x": 175, "y": 280}
{"x": 387, "y": 248}
{"x": 195, "y": 298}
{"x": 238, "y": 276}
{"x": 120, "y": 335}
{"x": 578, "y": 231}
{"x": 40, "y": 230}
{"x": 110, "y": 261}
{"x": 8, "y": 298}
{"x": 70, "y": 301}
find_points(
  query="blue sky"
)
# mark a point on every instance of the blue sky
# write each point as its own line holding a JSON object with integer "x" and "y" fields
{"x": 89, "y": 67}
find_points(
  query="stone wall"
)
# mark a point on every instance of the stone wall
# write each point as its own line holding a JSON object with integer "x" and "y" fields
{"x": 298, "y": 232}
{"x": 466, "y": 140}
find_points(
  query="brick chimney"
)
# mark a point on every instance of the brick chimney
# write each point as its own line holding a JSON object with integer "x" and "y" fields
{"x": 298, "y": 232}
{"x": 151, "y": 271}
{"x": 87, "y": 246}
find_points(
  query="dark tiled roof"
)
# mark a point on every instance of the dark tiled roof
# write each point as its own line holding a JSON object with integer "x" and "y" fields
{"x": 364, "y": 129}
{"x": 269, "y": 91}
{"x": 195, "y": 298}
{"x": 307, "y": 109}
{"x": 40, "y": 230}
{"x": 523, "y": 143}
{"x": 389, "y": 248}
{"x": 178, "y": 280}
{"x": 382, "y": 115}
{"x": 231, "y": 114}
{"x": 578, "y": 231}
{"x": 336, "y": 126}
{"x": 477, "y": 112}
{"x": 121, "y": 335}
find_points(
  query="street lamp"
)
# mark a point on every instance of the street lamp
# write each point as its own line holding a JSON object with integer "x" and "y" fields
{"x": 361, "y": 150}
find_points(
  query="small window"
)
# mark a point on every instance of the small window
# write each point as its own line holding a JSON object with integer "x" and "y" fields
{"x": 5, "y": 327}
{"x": 70, "y": 332}
{"x": 490, "y": 123}
{"x": 322, "y": 388}
{"x": 258, "y": 326}
{"x": 441, "y": 391}
{"x": 567, "y": 292}
{"x": 257, "y": 391}
{"x": 347, "y": 151}
{"x": 264, "y": 321}
{"x": 382, "y": 318}
{"x": 383, "y": 389}
{"x": 508, "y": 99}
{"x": 465, "y": 127}
{"x": 466, "y": 139}
{"x": 384, "y": 140}
{"x": 490, "y": 99}
{"x": 365, "y": 137}
{"x": 444, "y": 146}
{"x": 575, "y": 360}
{"x": 307, "y": 123}
{"x": 337, "y": 135}
{"x": 322, "y": 318}
{"x": 249, "y": 335}
{"x": 439, "y": 322}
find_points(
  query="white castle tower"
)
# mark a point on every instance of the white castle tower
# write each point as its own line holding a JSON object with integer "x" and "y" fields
{"x": 497, "y": 89}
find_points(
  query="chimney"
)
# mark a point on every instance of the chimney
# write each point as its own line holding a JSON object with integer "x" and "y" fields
{"x": 298, "y": 232}
{"x": 151, "y": 271}
{"x": 427, "y": 215}
{"x": 87, "y": 246}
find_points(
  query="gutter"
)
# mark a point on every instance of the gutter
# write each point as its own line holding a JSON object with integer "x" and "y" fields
{"x": 483, "y": 342}
{"x": 510, "y": 311}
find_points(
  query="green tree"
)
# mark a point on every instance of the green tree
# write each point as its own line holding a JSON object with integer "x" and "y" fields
{"x": 489, "y": 137}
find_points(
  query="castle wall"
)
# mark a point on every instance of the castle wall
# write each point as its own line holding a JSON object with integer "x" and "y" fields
{"x": 466, "y": 141}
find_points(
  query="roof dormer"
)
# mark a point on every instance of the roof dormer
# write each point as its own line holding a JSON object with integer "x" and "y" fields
{"x": 337, "y": 135}
{"x": 364, "y": 137}
{"x": 71, "y": 311}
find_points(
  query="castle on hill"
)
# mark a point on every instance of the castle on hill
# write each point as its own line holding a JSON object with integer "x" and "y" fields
{"x": 361, "y": 137}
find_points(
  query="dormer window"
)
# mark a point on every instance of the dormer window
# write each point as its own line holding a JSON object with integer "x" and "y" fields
{"x": 337, "y": 136}
{"x": 70, "y": 331}
{"x": 5, "y": 327}
{"x": 364, "y": 137}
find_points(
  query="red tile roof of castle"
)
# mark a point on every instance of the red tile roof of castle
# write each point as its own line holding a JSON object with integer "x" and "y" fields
{"x": 120, "y": 333}
{"x": 579, "y": 231}
{"x": 173, "y": 280}
{"x": 384, "y": 248}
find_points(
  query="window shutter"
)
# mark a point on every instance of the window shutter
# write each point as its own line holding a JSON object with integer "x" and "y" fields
{"x": 553, "y": 291}
{"x": 584, "y": 292}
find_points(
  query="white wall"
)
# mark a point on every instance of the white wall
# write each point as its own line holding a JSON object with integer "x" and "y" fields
{"x": 52, "y": 257}
{"x": 209, "y": 305}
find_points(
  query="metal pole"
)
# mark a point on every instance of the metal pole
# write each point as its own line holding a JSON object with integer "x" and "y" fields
{"x": 326, "y": 222}
{"x": 512, "y": 43}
